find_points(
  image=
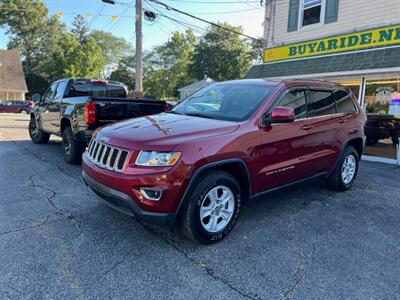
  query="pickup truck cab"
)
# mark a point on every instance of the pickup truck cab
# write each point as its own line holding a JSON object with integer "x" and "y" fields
{"x": 74, "y": 108}
{"x": 227, "y": 143}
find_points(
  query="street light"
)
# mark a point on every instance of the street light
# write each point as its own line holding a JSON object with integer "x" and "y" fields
{"x": 138, "y": 60}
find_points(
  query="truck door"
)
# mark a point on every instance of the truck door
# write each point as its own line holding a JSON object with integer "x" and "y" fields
{"x": 46, "y": 108}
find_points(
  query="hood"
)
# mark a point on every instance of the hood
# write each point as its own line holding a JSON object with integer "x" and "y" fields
{"x": 163, "y": 131}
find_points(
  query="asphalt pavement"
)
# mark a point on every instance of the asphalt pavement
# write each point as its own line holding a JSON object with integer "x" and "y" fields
{"x": 59, "y": 241}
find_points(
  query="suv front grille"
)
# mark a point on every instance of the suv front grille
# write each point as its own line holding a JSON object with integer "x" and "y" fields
{"x": 107, "y": 156}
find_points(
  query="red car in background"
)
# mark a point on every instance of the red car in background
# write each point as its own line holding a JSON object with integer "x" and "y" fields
{"x": 15, "y": 106}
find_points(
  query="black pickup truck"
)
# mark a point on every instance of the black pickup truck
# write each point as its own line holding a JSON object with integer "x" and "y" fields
{"x": 74, "y": 108}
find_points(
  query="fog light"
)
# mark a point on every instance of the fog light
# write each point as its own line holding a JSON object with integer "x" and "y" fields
{"x": 151, "y": 194}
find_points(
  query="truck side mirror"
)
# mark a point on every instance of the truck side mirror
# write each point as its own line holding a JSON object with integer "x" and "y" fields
{"x": 36, "y": 98}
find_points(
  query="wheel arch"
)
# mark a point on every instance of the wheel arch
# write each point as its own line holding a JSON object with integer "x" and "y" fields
{"x": 65, "y": 122}
{"x": 358, "y": 144}
{"x": 235, "y": 167}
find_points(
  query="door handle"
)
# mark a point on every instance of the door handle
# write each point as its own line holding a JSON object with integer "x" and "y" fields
{"x": 306, "y": 127}
{"x": 341, "y": 121}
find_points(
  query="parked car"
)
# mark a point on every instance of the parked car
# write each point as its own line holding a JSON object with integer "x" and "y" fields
{"x": 380, "y": 126}
{"x": 16, "y": 106}
{"x": 74, "y": 108}
{"x": 228, "y": 143}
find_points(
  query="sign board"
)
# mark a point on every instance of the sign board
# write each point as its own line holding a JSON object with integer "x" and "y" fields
{"x": 378, "y": 37}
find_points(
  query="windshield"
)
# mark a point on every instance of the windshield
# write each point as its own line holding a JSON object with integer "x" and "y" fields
{"x": 231, "y": 102}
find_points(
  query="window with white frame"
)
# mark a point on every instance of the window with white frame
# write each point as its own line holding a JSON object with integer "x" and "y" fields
{"x": 311, "y": 12}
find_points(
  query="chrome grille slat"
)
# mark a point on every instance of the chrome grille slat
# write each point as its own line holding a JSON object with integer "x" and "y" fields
{"x": 102, "y": 155}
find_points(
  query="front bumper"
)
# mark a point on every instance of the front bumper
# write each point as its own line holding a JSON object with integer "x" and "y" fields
{"x": 125, "y": 204}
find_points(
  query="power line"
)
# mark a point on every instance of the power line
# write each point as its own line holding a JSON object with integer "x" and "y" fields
{"x": 203, "y": 20}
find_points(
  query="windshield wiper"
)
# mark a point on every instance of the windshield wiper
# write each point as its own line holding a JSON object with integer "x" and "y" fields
{"x": 173, "y": 112}
{"x": 193, "y": 114}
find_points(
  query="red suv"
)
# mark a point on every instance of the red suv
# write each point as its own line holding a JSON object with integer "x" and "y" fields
{"x": 228, "y": 143}
{"x": 17, "y": 106}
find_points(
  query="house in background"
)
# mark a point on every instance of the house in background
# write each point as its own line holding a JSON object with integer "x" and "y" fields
{"x": 188, "y": 90}
{"x": 12, "y": 78}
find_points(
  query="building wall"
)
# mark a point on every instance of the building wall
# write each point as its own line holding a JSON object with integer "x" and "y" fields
{"x": 11, "y": 95}
{"x": 352, "y": 15}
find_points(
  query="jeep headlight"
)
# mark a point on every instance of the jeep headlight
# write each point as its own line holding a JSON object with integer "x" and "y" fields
{"x": 157, "y": 159}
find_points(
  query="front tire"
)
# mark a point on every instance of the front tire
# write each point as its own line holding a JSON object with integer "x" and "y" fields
{"x": 72, "y": 149}
{"x": 212, "y": 209}
{"x": 37, "y": 136}
{"x": 345, "y": 172}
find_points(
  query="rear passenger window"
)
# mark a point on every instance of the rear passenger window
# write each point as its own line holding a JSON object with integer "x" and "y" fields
{"x": 344, "y": 103}
{"x": 321, "y": 103}
{"x": 297, "y": 101}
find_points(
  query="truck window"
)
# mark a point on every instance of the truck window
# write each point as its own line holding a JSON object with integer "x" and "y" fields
{"x": 60, "y": 90}
{"x": 84, "y": 89}
{"x": 344, "y": 103}
{"x": 51, "y": 91}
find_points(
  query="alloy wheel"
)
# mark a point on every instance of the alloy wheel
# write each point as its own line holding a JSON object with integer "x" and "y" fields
{"x": 217, "y": 208}
{"x": 349, "y": 168}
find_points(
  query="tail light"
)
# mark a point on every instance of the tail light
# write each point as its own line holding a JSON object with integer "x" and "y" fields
{"x": 90, "y": 112}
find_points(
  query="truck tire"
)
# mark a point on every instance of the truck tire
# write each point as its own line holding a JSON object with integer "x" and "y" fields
{"x": 212, "y": 208}
{"x": 345, "y": 171}
{"x": 72, "y": 149}
{"x": 37, "y": 136}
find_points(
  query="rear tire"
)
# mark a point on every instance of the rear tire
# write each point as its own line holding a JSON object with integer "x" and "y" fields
{"x": 72, "y": 149}
{"x": 212, "y": 208}
{"x": 345, "y": 172}
{"x": 37, "y": 136}
{"x": 23, "y": 112}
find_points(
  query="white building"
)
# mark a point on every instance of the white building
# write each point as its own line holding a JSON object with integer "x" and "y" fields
{"x": 12, "y": 79}
{"x": 355, "y": 43}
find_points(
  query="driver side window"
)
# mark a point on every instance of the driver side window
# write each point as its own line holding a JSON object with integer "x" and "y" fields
{"x": 50, "y": 93}
{"x": 295, "y": 99}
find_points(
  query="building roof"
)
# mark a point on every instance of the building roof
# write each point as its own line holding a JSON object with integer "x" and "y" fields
{"x": 197, "y": 85}
{"x": 363, "y": 60}
{"x": 11, "y": 74}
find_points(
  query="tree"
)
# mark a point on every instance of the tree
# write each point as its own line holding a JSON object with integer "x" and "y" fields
{"x": 82, "y": 60}
{"x": 80, "y": 29}
{"x": 125, "y": 72}
{"x": 222, "y": 54}
{"x": 30, "y": 31}
{"x": 113, "y": 48}
{"x": 166, "y": 66}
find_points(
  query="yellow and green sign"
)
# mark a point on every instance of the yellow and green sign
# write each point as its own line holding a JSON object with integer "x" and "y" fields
{"x": 378, "y": 37}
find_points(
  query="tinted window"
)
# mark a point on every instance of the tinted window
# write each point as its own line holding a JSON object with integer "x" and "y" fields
{"x": 297, "y": 101}
{"x": 232, "y": 102}
{"x": 344, "y": 103}
{"x": 49, "y": 95}
{"x": 60, "y": 90}
{"x": 83, "y": 89}
{"x": 321, "y": 103}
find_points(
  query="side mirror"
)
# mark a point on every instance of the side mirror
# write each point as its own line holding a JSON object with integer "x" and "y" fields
{"x": 280, "y": 114}
{"x": 36, "y": 98}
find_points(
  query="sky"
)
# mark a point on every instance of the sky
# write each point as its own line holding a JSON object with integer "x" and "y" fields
{"x": 246, "y": 13}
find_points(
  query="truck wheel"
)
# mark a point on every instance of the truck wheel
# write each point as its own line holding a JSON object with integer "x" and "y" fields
{"x": 345, "y": 172}
{"x": 37, "y": 135}
{"x": 371, "y": 141}
{"x": 72, "y": 149}
{"x": 212, "y": 209}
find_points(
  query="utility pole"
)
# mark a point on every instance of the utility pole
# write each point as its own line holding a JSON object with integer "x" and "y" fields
{"x": 139, "y": 50}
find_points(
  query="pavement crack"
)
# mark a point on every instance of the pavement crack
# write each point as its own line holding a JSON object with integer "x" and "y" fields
{"x": 210, "y": 271}
{"x": 31, "y": 226}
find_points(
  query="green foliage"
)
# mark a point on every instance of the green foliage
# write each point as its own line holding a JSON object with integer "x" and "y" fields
{"x": 82, "y": 60}
{"x": 125, "y": 72}
{"x": 167, "y": 66}
{"x": 222, "y": 54}
{"x": 80, "y": 29}
{"x": 113, "y": 48}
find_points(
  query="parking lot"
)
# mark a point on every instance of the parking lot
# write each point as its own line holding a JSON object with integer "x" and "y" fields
{"x": 59, "y": 241}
